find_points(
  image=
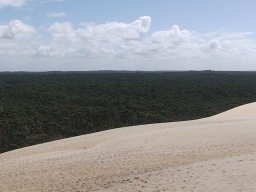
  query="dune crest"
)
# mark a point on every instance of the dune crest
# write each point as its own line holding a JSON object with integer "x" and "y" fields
{"x": 212, "y": 154}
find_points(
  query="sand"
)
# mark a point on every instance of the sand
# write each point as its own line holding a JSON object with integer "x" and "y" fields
{"x": 212, "y": 154}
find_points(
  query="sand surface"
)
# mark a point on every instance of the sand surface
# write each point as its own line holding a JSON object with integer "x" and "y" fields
{"x": 211, "y": 154}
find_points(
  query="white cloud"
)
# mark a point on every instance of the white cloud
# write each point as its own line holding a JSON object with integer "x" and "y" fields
{"x": 15, "y": 29}
{"x": 132, "y": 40}
{"x": 16, "y": 38}
{"x": 174, "y": 36}
{"x": 62, "y": 31}
{"x": 115, "y": 31}
{"x": 12, "y": 3}
{"x": 175, "y": 48}
{"x": 96, "y": 40}
{"x": 56, "y": 14}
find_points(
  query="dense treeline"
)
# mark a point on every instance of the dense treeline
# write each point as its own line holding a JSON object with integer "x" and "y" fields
{"x": 41, "y": 107}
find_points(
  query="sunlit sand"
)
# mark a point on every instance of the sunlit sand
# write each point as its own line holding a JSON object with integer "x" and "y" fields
{"x": 212, "y": 154}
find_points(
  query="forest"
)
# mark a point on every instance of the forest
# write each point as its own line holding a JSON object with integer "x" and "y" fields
{"x": 42, "y": 107}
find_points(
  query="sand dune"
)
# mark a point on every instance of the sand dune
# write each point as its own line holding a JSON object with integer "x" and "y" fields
{"x": 211, "y": 154}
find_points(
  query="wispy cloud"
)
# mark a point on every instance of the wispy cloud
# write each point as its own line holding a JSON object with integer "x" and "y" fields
{"x": 20, "y": 3}
{"x": 12, "y": 3}
{"x": 56, "y": 14}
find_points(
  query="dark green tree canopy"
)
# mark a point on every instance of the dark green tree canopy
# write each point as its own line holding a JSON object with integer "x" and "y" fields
{"x": 41, "y": 107}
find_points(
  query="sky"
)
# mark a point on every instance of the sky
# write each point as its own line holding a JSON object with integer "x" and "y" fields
{"x": 82, "y": 35}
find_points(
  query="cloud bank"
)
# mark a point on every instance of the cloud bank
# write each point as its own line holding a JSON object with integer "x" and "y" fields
{"x": 119, "y": 42}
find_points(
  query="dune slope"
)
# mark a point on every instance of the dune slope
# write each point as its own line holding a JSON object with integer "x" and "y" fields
{"x": 212, "y": 154}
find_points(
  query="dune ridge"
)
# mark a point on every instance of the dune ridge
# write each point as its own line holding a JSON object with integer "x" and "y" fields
{"x": 211, "y": 154}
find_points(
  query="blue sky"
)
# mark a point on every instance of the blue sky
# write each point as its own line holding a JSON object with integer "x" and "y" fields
{"x": 199, "y": 15}
{"x": 129, "y": 35}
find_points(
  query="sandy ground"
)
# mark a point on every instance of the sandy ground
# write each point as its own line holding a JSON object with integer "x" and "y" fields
{"x": 211, "y": 154}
